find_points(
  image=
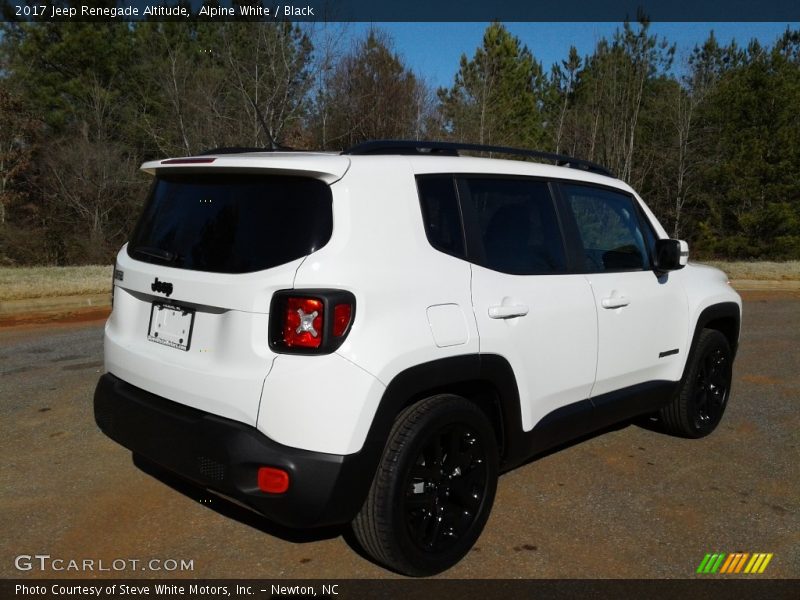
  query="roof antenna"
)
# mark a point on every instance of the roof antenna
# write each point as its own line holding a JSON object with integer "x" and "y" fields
{"x": 273, "y": 145}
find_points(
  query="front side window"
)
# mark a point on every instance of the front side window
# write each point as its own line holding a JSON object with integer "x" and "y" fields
{"x": 609, "y": 228}
{"x": 517, "y": 225}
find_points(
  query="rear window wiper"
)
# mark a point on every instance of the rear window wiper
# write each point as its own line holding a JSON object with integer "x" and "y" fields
{"x": 158, "y": 253}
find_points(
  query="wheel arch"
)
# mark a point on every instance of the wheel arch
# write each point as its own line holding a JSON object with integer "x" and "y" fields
{"x": 485, "y": 379}
{"x": 724, "y": 317}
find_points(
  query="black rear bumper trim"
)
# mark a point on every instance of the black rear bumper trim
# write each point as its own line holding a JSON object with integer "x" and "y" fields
{"x": 224, "y": 456}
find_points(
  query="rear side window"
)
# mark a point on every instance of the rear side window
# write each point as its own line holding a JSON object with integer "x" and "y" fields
{"x": 440, "y": 213}
{"x": 232, "y": 223}
{"x": 609, "y": 227}
{"x": 517, "y": 225}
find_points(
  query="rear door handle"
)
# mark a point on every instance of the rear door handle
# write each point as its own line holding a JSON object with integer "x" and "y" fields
{"x": 507, "y": 311}
{"x": 615, "y": 302}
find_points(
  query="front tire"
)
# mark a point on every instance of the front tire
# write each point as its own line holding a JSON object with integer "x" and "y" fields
{"x": 703, "y": 395}
{"x": 434, "y": 488}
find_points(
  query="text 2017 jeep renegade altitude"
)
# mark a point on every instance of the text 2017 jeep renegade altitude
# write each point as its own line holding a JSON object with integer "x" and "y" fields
{"x": 372, "y": 336}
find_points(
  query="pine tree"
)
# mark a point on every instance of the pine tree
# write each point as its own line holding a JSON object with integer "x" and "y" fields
{"x": 495, "y": 98}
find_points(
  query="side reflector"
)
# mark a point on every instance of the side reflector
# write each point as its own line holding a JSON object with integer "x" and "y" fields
{"x": 272, "y": 480}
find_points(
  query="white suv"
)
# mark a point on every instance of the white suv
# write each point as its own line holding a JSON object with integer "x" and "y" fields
{"x": 372, "y": 336}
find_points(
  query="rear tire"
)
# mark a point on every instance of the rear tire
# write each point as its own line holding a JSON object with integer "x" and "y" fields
{"x": 703, "y": 394}
{"x": 434, "y": 488}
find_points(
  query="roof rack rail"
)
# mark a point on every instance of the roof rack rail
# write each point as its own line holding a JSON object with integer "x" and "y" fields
{"x": 452, "y": 149}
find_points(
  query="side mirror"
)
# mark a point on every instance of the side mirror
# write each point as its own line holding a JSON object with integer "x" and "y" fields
{"x": 671, "y": 255}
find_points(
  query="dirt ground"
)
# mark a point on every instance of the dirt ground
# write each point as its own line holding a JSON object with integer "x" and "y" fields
{"x": 630, "y": 503}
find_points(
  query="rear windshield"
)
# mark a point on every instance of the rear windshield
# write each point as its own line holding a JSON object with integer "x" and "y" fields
{"x": 232, "y": 223}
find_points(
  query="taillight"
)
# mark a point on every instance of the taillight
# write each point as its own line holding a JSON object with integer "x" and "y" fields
{"x": 341, "y": 318}
{"x": 310, "y": 321}
{"x": 302, "y": 322}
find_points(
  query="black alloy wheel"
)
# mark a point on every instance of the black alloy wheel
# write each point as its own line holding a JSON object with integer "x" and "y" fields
{"x": 711, "y": 388}
{"x": 434, "y": 489}
{"x": 702, "y": 397}
{"x": 445, "y": 488}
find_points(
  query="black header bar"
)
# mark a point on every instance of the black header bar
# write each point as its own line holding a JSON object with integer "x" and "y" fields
{"x": 399, "y": 589}
{"x": 406, "y": 10}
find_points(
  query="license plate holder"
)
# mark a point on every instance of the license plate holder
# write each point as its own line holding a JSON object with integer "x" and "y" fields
{"x": 171, "y": 325}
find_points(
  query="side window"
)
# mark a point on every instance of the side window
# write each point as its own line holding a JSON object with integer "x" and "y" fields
{"x": 517, "y": 225}
{"x": 609, "y": 228}
{"x": 440, "y": 213}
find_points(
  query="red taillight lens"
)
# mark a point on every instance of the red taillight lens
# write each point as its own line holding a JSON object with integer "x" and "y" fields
{"x": 303, "y": 319}
{"x": 311, "y": 320}
{"x": 341, "y": 318}
{"x": 272, "y": 480}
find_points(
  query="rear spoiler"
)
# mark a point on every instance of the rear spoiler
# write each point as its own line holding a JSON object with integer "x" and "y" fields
{"x": 326, "y": 167}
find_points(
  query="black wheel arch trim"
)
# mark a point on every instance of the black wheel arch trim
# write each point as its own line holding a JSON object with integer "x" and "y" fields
{"x": 466, "y": 372}
{"x": 471, "y": 372}
{"x": 723, "y": 311}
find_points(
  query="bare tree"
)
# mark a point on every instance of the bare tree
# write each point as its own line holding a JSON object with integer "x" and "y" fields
{"x": 328, "y": 40}
{"x": 269, "y": 67}
{"x": 684, "y": 105}
{"x": 371, "y": 94}
{"x": 565, "y": 80}
{"x": 18, "y": 134}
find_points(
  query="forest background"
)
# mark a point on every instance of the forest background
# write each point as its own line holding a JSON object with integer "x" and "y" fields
{"x": 713, "y": 147}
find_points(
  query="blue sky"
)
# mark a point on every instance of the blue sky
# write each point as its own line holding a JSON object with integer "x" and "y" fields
{"x": 433, "y": 50}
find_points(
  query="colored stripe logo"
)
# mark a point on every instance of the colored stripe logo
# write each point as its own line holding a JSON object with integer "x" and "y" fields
{"x": 738, "y": 562}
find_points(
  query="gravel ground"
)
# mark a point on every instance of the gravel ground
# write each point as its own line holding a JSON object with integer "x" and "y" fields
{"x": 630, "y": 503}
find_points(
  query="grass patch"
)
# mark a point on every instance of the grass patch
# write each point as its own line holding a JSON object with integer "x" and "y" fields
{"x": 761, "y": 270}
{"x": 17, "y": 283}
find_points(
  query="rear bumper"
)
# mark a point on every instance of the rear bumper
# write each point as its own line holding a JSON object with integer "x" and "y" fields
{"x": 224, "y": 456}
